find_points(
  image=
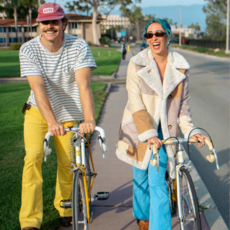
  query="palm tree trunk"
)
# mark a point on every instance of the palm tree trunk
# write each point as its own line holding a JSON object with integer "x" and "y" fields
{"x": 30, "y": 18}
{"x": 94, "y": 25}
{"x": 16, "y": 22}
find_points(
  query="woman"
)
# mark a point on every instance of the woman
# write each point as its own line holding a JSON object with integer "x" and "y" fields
{"x": 157, "y": 84}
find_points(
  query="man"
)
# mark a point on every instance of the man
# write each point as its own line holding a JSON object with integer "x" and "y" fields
{"x": 57, "y": 66}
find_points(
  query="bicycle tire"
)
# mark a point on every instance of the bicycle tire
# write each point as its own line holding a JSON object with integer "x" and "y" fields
{"x": 79, "y": 209}
{"x": 189, "y": 203}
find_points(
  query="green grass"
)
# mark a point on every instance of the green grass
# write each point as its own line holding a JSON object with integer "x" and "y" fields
{"x": 220, "y": 53}
{"x": 107, "y": 63}
{"x": 9, "y": 63}
{"x": 12, "y": 98}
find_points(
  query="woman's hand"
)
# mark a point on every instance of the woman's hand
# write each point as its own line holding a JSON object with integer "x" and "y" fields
{"x": 156, "y": 141}
{"x": 202, "y": 137}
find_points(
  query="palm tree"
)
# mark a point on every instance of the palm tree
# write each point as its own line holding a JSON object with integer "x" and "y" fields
{"x": 14, "y": 4}
{"x": 31, "y": 4}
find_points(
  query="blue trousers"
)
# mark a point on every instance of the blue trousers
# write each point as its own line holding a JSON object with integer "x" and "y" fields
{"x": 150, "y": 194}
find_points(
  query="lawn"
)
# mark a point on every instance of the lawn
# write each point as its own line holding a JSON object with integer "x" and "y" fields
{"x": 12, "y": 98}
{"x": 107, "y": 60}
{"x": 9, "y": 63}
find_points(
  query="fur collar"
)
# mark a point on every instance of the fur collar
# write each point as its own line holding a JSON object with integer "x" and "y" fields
{"x": 150, "y": 74}
{"x": 145, "y": 57}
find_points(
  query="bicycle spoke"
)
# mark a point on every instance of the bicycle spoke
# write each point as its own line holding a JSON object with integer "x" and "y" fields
{"x": 191, "y": 218}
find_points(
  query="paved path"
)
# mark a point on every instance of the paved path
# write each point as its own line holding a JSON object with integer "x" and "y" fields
{"x": 114, "y": 175}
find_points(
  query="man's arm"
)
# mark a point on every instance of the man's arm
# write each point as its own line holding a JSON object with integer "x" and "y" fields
{"x": 38, "y": 86}
{"x": 82, "y": 77}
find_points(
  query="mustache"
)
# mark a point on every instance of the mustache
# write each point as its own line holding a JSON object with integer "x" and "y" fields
{"x": 50, "y": 30}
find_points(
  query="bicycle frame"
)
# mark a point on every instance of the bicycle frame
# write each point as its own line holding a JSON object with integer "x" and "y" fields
{"x": 80, "y": 164}
{"x": 80, "y": 143}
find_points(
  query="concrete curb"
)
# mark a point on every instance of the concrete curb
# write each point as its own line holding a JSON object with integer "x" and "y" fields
{"x": 13, "y": 80}
{"x": 108, "y": 87}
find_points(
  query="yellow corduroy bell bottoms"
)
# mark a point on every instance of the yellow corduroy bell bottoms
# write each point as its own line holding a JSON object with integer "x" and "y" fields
{"x": 35, "y": 128}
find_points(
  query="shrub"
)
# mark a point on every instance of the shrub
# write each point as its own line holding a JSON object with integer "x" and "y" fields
{"x": 90, "y": 43}
{"x": 105, "y": 41}
{"x": 15, "y": 46}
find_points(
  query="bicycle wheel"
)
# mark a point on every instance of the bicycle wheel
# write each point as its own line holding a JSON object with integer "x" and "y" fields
{"x": 79, "y": 203}
{"x": 189, "y": 203}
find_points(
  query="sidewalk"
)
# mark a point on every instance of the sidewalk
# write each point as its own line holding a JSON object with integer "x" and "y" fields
{"x": 115, "y": 176}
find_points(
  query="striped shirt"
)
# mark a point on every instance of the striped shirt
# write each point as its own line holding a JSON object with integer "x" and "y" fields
{"x": 58, "y": 71}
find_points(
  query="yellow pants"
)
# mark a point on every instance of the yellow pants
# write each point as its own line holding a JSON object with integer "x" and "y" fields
{"x": 35, "y": 128}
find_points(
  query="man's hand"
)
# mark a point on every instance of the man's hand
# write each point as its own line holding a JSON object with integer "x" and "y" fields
{"x": 156, "y": 141}
{"x": 87, "y": 127}
{"x": 56, "y": 129}
{"x": 202, "y": 137}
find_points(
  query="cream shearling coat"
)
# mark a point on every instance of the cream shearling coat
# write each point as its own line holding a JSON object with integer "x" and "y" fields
{"x": 150, "y": 103}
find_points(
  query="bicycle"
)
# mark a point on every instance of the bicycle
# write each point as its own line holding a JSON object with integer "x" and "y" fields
{"x": 182, "y": 194}
{"x": 83, "y": 177}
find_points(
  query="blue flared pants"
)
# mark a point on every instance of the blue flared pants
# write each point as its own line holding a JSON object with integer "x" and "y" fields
{"x": 150, "y": 194}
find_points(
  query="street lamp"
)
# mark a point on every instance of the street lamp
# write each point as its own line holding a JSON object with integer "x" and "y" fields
{"x": 227, "y": 30}
{"x": 180, "y": 25}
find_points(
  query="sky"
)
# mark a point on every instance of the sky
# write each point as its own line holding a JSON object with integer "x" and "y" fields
{"x": 147, "y": 3}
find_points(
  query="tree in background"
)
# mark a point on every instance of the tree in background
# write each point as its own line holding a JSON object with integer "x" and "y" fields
{"x": 134, "y": 13}
{"x": 22, "y": 9}
{"x": 195, "y": 26}
{"x": 17, "y": 9}
{"x": 11, "y": 6}
{"x": 98, "y": 6}
{"x": 216, "y": 19}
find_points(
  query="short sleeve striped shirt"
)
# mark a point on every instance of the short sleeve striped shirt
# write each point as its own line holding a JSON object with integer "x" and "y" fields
{"x": 58, "y": 71}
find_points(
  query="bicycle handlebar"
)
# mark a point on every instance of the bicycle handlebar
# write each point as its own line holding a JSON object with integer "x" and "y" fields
{"x": 211, "y": 157}
{"x": 76, "y": 129}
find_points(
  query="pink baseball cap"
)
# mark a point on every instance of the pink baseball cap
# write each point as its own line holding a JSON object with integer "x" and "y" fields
{"x": 50, "y": 11}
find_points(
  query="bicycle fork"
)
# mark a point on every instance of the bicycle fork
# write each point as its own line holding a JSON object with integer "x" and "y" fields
{"x": 181, "y": 164}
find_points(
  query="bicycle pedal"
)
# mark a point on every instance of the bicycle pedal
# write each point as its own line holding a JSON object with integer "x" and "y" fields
{"x": 65, "y": 204}
{"x": 102, "y": 195}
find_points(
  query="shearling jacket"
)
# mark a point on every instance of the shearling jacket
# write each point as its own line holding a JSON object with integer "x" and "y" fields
{"x": 151, "y": 103}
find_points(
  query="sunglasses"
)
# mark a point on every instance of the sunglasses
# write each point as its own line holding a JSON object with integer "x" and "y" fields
{"x": 55, "y": 22}
{"x": 158, "y": 34}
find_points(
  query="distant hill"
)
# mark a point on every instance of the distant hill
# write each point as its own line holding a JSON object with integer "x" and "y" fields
{"x": 189, "y": 14}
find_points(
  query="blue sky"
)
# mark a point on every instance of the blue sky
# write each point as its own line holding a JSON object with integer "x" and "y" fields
{"x": 147, "y": 3}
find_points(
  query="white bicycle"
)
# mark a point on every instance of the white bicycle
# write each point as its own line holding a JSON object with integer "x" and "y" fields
{"x": 182, "y": 194}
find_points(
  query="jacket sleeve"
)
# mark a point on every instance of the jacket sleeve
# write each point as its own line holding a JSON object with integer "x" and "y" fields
{"x": 140, "y": 115}
{"x": 185, "y": 119}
